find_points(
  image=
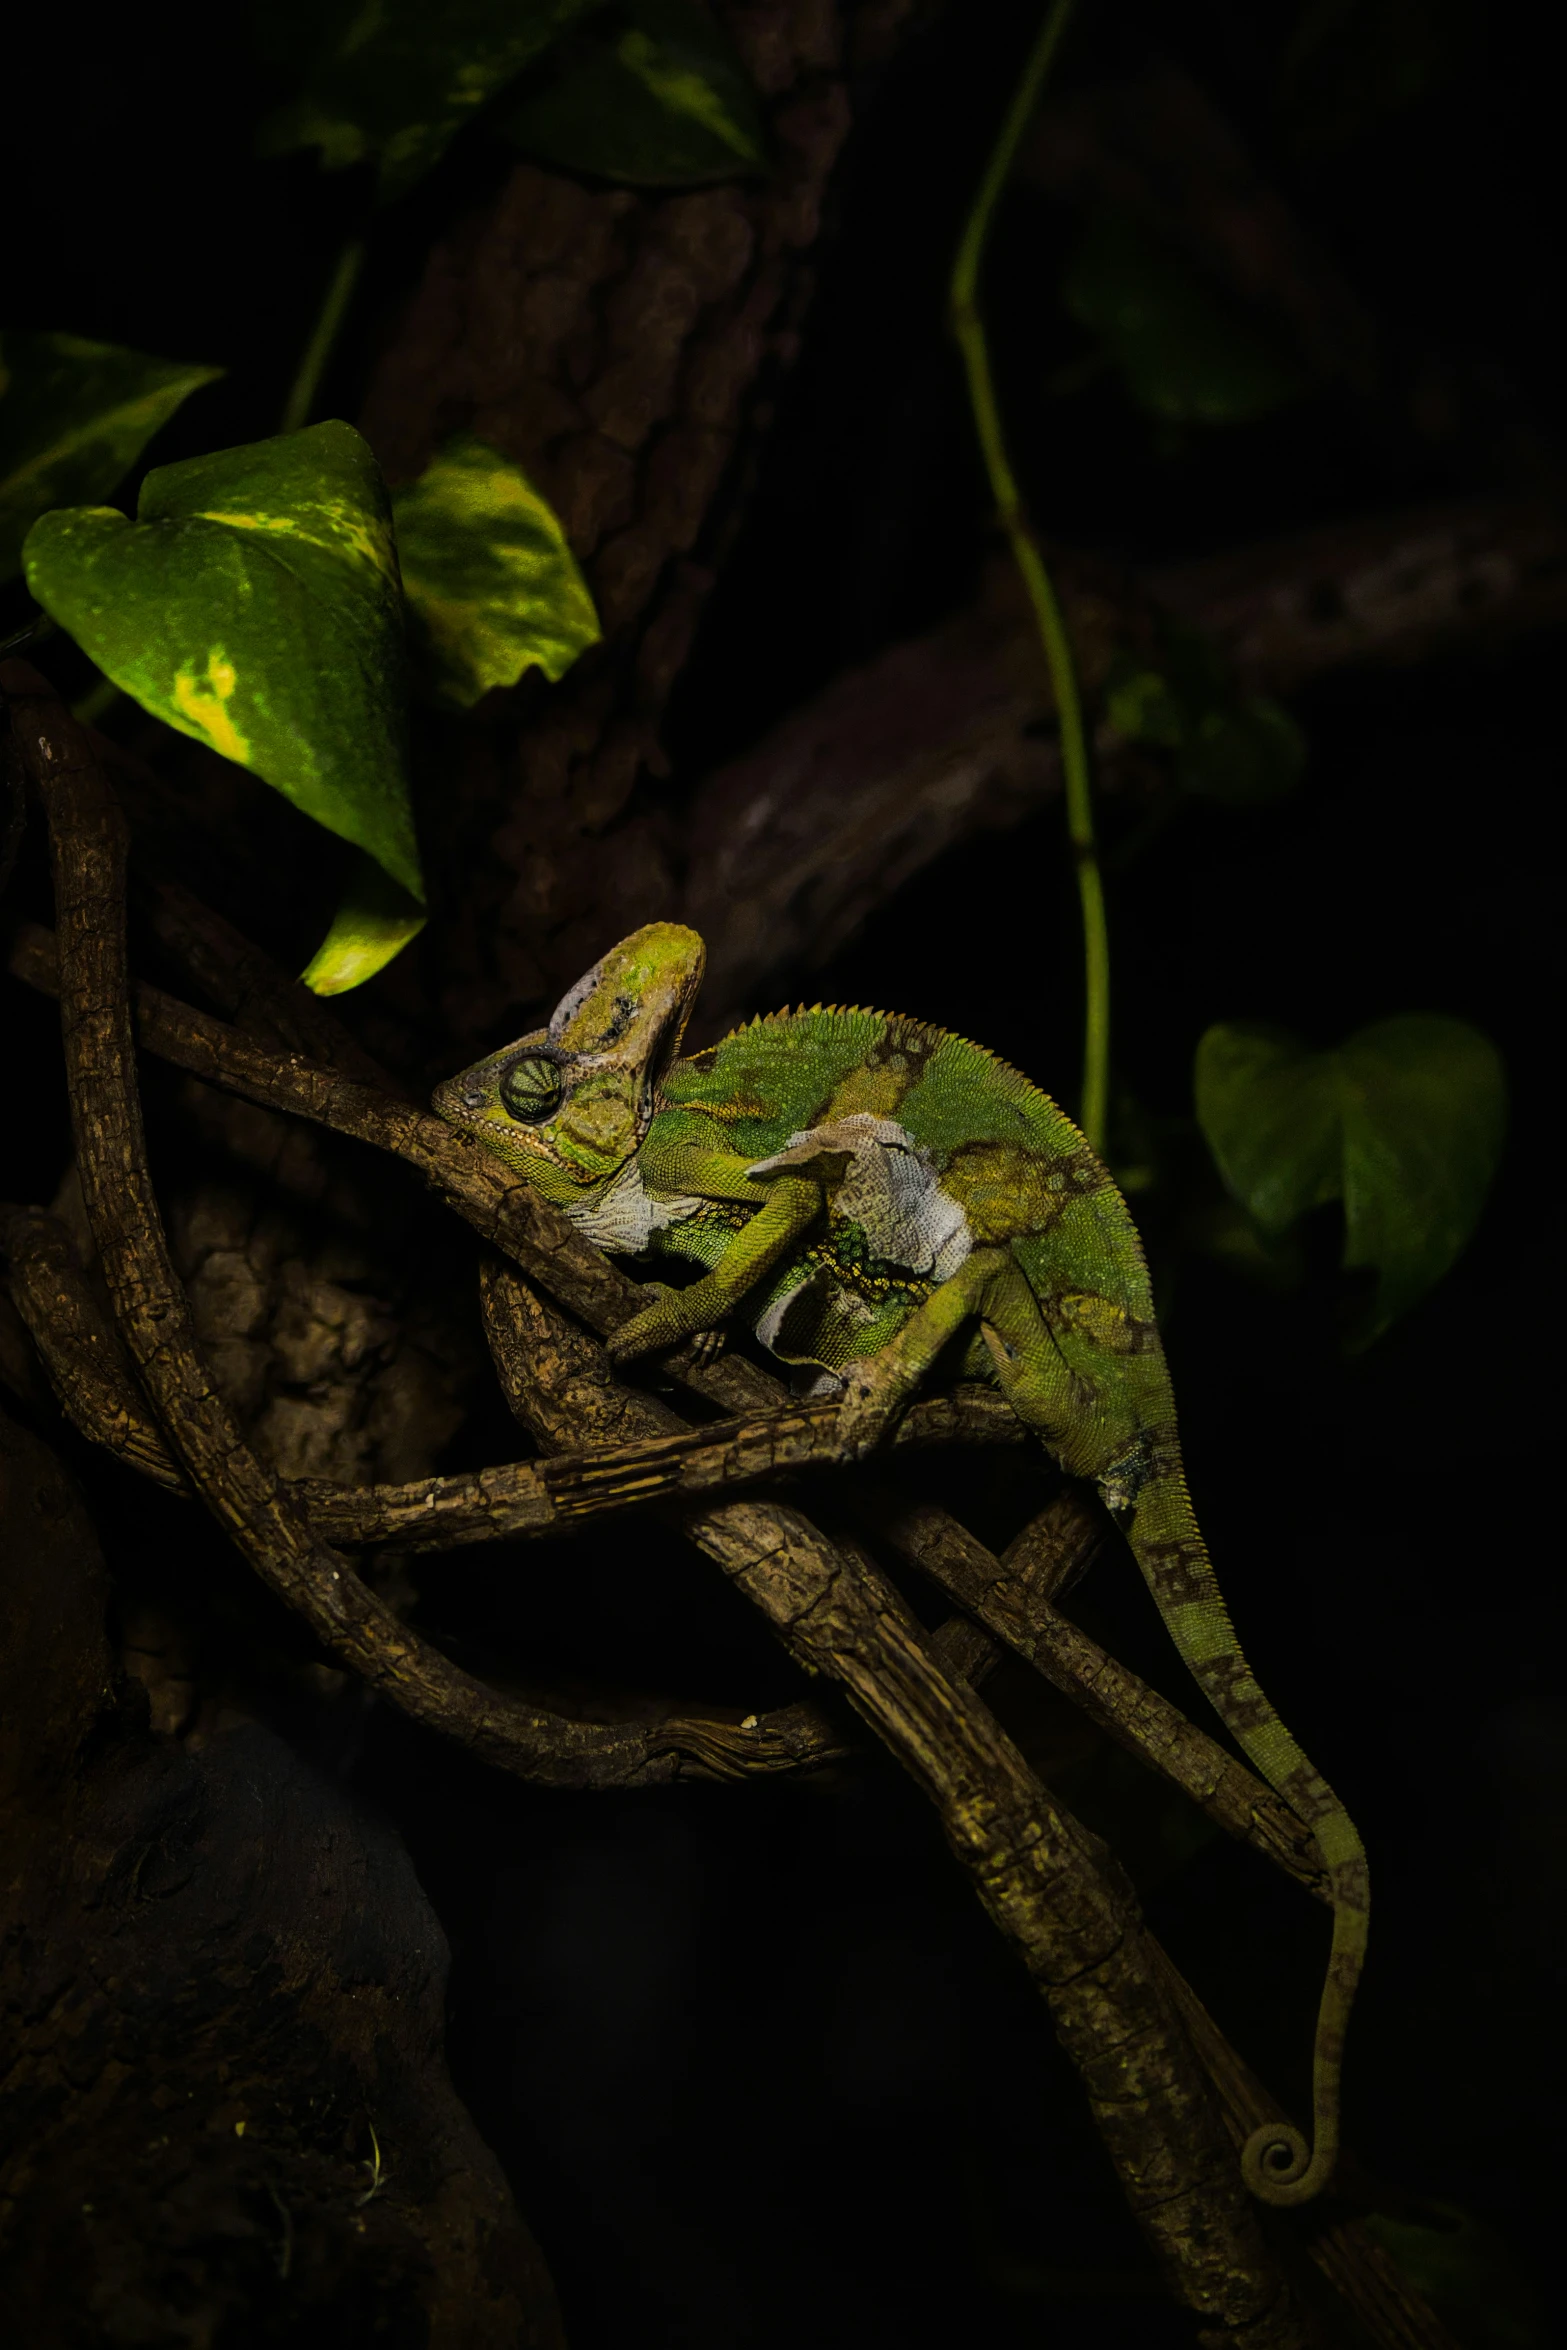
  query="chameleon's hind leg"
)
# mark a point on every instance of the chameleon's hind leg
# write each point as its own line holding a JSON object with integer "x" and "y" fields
{"x": 991, "y": 1286}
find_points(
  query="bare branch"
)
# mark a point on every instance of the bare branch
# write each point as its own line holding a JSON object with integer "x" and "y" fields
{"x": 1043, "y": 1881}
{"x": 531, "y": 1498}
{"x": 87, "y": 840}
{"x": 88, "y": 1367}
{"x": 517, "y": 1500}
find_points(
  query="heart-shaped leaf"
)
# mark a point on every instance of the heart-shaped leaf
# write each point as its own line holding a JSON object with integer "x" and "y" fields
{"x": 492, "y": 587}
{"x": 74, "y": 418}
{"x": 654, "y": 93}
{"x": 395, "y": 82}
{"x": 254, "y": 604}
{"x": 1404, "y": 1123}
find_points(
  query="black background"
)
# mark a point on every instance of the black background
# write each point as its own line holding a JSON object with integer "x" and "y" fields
{"x": 758, "y": 2068}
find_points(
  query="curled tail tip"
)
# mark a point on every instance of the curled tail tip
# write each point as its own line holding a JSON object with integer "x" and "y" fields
{"x": 1278, "y": 2166}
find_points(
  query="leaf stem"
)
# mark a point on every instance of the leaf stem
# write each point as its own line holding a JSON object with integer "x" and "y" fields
{"x": 323, "y": 335}
{"x": 968, "y": 327}
{"x": 96, "y": 702}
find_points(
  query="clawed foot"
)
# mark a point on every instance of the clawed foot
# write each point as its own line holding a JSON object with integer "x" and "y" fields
{"x": 663, "y": 1324}
{"x": 873, "y": 1398}
{"x": 656, "y": 1325}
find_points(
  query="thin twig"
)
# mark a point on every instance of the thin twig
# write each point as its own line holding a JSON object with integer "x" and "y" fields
{"x": 1012, "y": 1606}
{"x": 323, "y": 335}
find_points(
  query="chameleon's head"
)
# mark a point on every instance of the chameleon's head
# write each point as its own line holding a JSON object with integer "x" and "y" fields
{"x": 570, "y": 1104}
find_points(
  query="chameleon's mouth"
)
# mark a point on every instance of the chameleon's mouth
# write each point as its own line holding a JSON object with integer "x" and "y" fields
{"x": 460, "y": 1102}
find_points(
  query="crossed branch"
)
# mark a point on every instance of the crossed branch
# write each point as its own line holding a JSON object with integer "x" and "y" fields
{"x": 1170, "y": 2098}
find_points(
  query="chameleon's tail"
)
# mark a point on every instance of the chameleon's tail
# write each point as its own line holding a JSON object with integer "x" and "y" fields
{"x": 1276, "y": 2162}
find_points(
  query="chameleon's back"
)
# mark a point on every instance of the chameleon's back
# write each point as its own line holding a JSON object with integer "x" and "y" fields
{"x": 1004, "y": 1152}
{"x": 1024, "y": 1178}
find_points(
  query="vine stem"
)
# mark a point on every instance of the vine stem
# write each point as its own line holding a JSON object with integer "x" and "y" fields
{"x": 329, "y": 320}
{"x": 968, "y": 327}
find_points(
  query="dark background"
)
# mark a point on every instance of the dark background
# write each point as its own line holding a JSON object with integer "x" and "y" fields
{"x": 757, "y": 2068}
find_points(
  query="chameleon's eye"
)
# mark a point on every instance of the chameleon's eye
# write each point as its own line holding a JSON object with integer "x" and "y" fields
{"x": 530, "y": 1089}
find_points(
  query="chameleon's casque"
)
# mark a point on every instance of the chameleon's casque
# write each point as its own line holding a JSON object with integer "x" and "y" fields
{"x": 873, "y": 1193}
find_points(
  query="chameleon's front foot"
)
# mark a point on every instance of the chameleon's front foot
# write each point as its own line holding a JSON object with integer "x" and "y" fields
{"x": 666, "y": 1322}
{"x": 658, "y": 1325}
{"x": 874, "y": 1395}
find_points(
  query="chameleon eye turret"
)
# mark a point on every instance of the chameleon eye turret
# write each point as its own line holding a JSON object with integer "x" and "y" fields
{"x": 531, "y": 1088}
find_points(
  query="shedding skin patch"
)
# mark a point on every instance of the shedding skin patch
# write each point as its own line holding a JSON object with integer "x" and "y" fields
{"x": 204, "y": 704}
{"x": 881, "y": 1181}
{"x": 1007, "y": 1188}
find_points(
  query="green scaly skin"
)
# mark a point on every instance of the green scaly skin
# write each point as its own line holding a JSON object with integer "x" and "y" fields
{"x": 875, "y": 1194}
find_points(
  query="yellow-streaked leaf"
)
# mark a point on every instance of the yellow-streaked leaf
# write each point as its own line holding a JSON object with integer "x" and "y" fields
{"x": 374, "y": 921}
{"x": 492, "y": 587}
{"x": 74, "y": 418}
{"x": 254, "y": 604}
{"x": 394, "y": 82}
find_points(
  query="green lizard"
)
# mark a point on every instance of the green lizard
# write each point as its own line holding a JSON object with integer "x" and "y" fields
{"x": 877, "y": 1194}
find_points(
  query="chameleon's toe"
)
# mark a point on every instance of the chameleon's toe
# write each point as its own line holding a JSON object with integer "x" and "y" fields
{"x": 708, "y": 1345}
{"x": 656, "y": 1325}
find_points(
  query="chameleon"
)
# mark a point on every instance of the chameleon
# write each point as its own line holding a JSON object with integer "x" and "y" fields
{"x": 877, "y": 1197}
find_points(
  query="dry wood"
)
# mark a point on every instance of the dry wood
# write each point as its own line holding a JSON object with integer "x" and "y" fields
{"x": 88, "y": 1367}
{"x": 1393, "y": 2313}
{"x": 519, "y": 1498}
{"x": 1109, "y": 1692}
{"x": 1114, "y": 2009}
{"x": 1043, "y": 1880}
{"x": 1038, "y": 1877}
{"x": 87, "y": 846}
{"x": 532, "y": 1498}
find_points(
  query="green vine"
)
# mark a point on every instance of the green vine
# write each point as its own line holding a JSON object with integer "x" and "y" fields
{"x": 323, "y": 336}
{"x": 968, "y": 327}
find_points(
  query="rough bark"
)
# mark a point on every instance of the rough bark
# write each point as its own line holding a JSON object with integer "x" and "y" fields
{"x": 1072, "y": 1922}
{"x": 620, "y": 346}
{"x": 1032, "y": 1867}
{"x": 217, "y": 1978}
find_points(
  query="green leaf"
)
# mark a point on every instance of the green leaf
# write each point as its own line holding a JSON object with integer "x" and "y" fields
{"x": 74, "y": 418}
{"x": 1425, "y": 1113}
{"x": 1182, "y": 351}
{"x": 654, "y": 94}
{"x": 1142, "y": 705}
{"x": 1269, "y": 1108}
{"x": 254, "y": 604}
{"x": 1469, "y": 2275}
{"x": 393, "y": 81}
{"x": 374, "y": 921}
{"x": 492, "y": 587}
{"x": 1404, "y": 1123}
{"x": 1238, "y": 748}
